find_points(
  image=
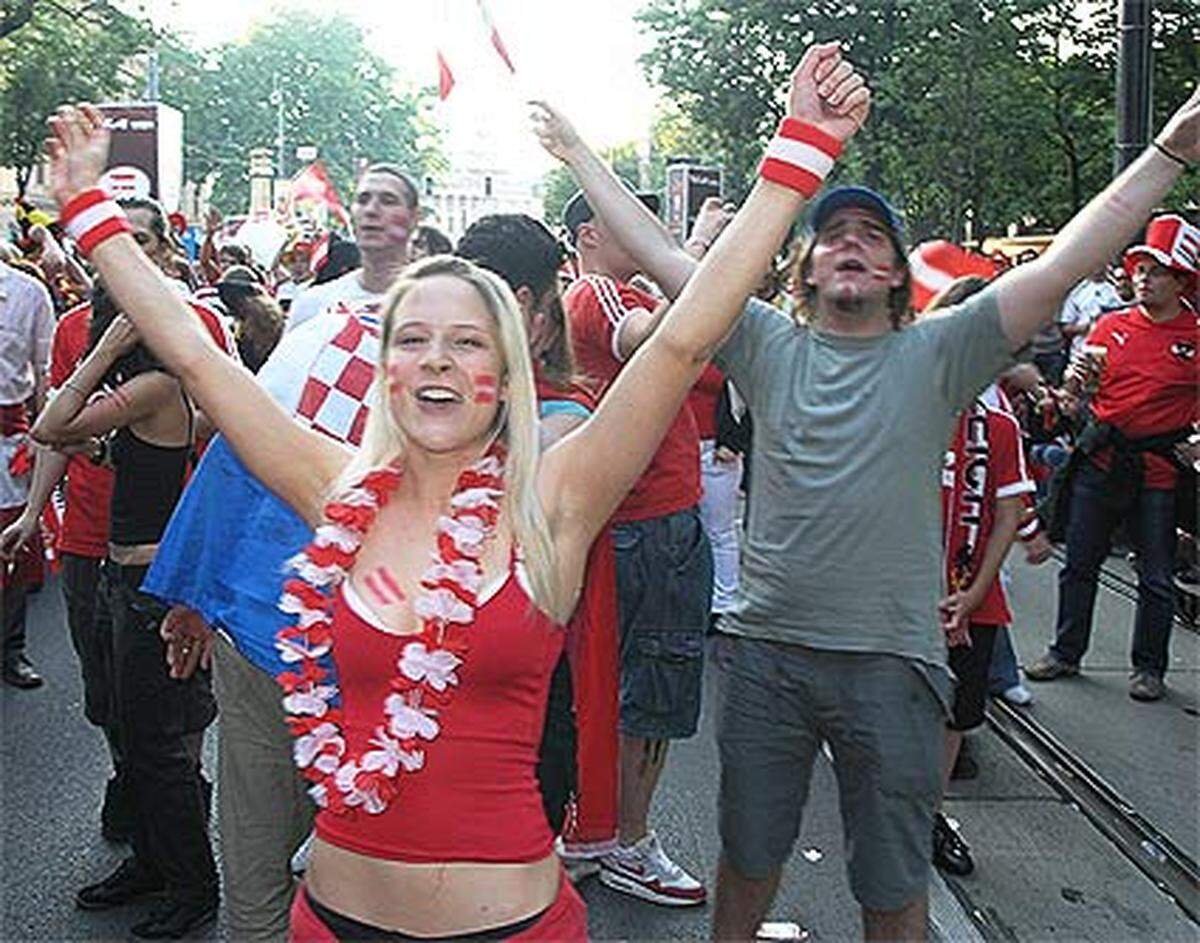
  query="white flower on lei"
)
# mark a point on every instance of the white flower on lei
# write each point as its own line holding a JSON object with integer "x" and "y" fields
{"x": 294, "y": 650}
{"x": 335, "y": 535}
{"x": 467, "y": 532}
{"x": 489, "y": 465}
{"x": 473, "y": 498}
{"x": 466, "y": 573}
{"x": 407, "y": 722}
{"x": 369, "y": 799}
{"x": 435, "y": 668}
{"x": 314, "y": 701}
{"x": 324, "y": 744}
{"x": 306, "y": 617}
{"x": 443, "y": 605}
{"x": 390, "y": 757}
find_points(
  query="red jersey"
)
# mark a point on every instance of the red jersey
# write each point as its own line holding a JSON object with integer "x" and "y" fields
{"x": 703, "y": 400}
{"x": 985, "y": 462}
{"x": 89, "y": 486}
{"x": 1148, "y": 382}
{"x": 595, "y": 306}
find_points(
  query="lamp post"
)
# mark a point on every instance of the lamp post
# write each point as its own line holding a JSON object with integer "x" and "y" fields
{"x": 1133, "y": 82}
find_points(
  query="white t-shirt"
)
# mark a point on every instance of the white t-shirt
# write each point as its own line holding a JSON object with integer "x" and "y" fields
{"x": 316, "y": 300}
{"x": 1084, "y": 305}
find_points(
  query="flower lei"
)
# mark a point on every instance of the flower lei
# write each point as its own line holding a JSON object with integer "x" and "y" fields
{"x": 429, "y": 660}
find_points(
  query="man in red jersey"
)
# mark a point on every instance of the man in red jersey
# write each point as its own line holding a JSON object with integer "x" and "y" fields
{"x": 1145, "y": 402}
{"x": 664, "y": 567}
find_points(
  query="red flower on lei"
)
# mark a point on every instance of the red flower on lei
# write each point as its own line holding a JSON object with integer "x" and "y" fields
{"x": 427, "y": 669}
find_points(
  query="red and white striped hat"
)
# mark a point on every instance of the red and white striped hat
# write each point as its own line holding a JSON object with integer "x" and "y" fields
{"x": 1171, "y": 241}
{"x": 937, "y": 263}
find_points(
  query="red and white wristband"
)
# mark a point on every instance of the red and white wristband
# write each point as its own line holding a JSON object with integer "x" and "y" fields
{"x": 92, "y": 216}
{"x": 800, "y": 156}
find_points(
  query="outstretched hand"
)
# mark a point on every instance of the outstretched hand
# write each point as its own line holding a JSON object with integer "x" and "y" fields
{"x": 827, "y": 92}
{"x": 1181, "y": 134}
{"x": 556, "y": 134}
{"x": 77, "y": 150}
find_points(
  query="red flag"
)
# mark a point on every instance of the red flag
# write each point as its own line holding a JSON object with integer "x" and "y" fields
{"x": 445, "y": 77}
{"x": 312, "y": 184}
{"x": 497, "y": 42}
{"x": 937, "y": 263}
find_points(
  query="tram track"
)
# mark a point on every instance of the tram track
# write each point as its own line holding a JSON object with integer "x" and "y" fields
{"x": 1123, "y": 586}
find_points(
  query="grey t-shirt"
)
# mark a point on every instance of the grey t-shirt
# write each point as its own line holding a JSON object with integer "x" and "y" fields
{"x": 844, "y": 547}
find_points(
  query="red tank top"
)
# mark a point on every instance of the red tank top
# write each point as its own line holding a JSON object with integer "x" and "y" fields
{"x": 477, "y": 797}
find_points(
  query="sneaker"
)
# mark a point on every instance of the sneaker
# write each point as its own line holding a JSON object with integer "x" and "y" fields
{"x": 644, "y": 870}
{"x": 1146, "y": 686}
{"x": 126, "y": 885}
{"x": 175, "y": 920}
{"x": 950, "y": 852}
{"x": 1018, "y": 696}
{"x": 1049, "y": 667}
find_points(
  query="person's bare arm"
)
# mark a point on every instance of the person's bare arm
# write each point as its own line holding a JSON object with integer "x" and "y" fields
{"x": 48, "y": 469}
{"x": 646, "y": 396}
{"x": 957, "y": 607}
{"x": 296, "y": 463}
{"x": 1029, "y": 294}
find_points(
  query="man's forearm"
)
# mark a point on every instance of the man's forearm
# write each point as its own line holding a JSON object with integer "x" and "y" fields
{"x": 637, "y": 229}
{"x": 1031, "y": 294}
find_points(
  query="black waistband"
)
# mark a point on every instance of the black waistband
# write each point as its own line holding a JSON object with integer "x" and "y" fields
{"x": 348, "y": 929}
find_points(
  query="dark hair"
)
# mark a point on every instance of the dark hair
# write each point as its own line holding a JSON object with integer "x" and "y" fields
{"x": 414, "y": 195}
{"x": 800, "y": 265}
{"x": 129, "y": 365}
{"x": 240, "y": 254}
{"x": 525, "y": 254}
{"x": 159, "y": 224}
{"x": 243, "y": 273}
{"x": 433, "y": 240}
{"x": 343, "y": 256}
{"x": 957, "y": 292}
{"x": 258, "y": 317}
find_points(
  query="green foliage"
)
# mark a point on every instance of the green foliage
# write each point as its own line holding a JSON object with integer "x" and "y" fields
{"x": 1000, "y": 110}
{"x": 334, "y": 93}
{"x": 58, "y": 55}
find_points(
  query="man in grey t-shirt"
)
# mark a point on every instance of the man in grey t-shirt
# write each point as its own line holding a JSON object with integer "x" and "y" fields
{"x": 835, "y": 636}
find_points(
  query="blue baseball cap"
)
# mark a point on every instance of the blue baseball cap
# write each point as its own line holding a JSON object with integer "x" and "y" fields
{"x": 863, "y": 198}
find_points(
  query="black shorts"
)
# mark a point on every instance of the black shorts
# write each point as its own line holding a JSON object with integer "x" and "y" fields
{"x": 970, "y": 666}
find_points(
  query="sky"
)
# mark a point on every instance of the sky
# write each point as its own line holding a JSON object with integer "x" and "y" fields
{"x": 579, "y": 54}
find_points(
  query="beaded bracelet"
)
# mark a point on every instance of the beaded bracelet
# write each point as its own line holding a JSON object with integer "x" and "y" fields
{"x": 92, "y": 216}
{"x": 800, "y": 156}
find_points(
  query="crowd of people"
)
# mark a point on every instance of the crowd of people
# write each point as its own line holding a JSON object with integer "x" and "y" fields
{"x": 444, "y": 534}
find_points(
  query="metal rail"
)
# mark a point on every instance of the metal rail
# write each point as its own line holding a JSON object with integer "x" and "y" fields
{"x": 1151, "y": 851}
{"x": 1127, "y": 588}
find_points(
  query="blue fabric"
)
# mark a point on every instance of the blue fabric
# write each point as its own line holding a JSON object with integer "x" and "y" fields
{"x": 562, "y": 407}
{"x": 223, "y": 554}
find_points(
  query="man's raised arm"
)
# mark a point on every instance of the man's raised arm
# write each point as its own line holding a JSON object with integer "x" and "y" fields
{"x": 637, "y": 229}
{"x": 1031, "y": 294}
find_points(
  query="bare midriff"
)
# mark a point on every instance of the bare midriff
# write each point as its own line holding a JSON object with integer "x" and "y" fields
{"x": 421, "y": 899}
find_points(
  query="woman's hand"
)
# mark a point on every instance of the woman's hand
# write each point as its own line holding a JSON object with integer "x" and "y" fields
{"x": 189, "y": 641}
{"x": 120, "y": 338}
{"x": 77, "y": 150}
{"x": 827, "y": 92}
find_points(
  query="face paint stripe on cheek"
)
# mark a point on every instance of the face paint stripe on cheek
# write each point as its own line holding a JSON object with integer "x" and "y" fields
{"x": 394, "y": 379}
{"x": 485, "y": 388}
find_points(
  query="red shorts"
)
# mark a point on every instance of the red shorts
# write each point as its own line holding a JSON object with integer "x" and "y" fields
{"x": 564, "y": 920}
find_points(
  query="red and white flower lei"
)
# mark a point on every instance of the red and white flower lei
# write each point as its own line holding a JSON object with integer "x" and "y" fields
{"x": 426, "y": 671}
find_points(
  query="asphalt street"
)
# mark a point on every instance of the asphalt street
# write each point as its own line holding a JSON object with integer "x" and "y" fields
{"x": 1043, "y": 870}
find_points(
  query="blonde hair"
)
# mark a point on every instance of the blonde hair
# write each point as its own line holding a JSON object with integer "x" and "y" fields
{"x": 517, "y": 422}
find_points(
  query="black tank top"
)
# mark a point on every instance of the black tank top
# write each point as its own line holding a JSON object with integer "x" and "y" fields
{"x": 146, "y": 487}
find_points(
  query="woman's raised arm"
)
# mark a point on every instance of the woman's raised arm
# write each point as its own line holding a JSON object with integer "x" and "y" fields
{"x": 828, "y": 102}
{"x": 296, "y": 463}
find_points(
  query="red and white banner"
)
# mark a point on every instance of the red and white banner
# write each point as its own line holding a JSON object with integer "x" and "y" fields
{"x": 937, "y": 263}
{"x": 313, "y": 185}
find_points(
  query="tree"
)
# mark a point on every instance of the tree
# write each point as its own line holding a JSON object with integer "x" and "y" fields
{"x": 331, "y": 90}
{"x": 994, "y": 110}
{"x": 60, "y": 54}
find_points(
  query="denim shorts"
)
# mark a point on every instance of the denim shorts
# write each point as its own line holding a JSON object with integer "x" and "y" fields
{"x": 883, "y": 717}
{"x": 664, "y": 587}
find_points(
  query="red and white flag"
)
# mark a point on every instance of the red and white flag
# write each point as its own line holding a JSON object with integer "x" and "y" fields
{"x": 320, "y": 254}
{"x": 312, "y": 185}
{"x": 494, "y": 36}
{"x": 445, "y": 77}
{"x": 937, "y": 263}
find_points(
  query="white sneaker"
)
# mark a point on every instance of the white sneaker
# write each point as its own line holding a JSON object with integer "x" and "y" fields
{"x": 1018, "y": 695}
{"x": 644, "y": 870}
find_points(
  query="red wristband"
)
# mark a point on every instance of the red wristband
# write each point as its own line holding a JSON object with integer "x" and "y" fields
{"x": 800, "y": 156}
{"x": 92, "y": 216}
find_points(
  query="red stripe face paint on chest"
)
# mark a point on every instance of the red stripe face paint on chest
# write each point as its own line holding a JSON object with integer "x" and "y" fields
{"x": 383, "y": 587}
